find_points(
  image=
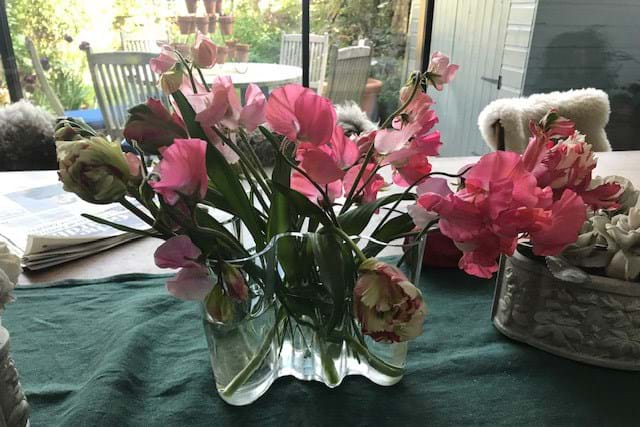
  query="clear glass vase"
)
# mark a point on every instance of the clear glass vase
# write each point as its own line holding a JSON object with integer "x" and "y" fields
{"x": 264, "y": 341}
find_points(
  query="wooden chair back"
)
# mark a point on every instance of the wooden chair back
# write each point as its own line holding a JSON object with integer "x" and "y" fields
{"x": 51, "y": 96}
{"x": 140, "y": 43}
{"x": 348, "y": 73}
{"x": 291, "y": 54}
{"x": 122, "y": 80}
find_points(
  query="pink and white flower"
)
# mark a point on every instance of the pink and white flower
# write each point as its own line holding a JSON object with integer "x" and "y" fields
{"x": 440, "y": 70}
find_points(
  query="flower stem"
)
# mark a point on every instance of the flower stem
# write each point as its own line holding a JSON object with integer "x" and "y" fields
{"x": 374, "y": 361}
{"x": 327, "y": 363}
{"x": 204, "y": 81}
{"x": 350, "y": 242}
{"x": 256, "y": 360}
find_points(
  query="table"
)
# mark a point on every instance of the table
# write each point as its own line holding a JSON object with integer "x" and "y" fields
{"x": 120, "y": 259}
{"x": 120, "y": 351}
{"x": 261, "y": 74}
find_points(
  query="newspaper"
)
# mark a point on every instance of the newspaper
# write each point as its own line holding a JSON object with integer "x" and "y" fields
{"x": 43, "y": 223}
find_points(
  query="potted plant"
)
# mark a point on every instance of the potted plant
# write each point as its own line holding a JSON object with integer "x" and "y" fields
{"x": 219, "y": 7}
{"x": 226, "y": 24}
{"x": 209, "y": 6}
{"x": 186, "y": 24}
{"x": 192, "y": 5}
{"x": 212, "y": 24}
{"x": 231, "y": 49}
{"x": 221, "y": 54}
{"x": 242, "y": 52}
{"x": 202, "y": 24}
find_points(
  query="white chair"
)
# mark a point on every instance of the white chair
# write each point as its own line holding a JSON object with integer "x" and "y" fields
{"x": 122, "y": 80}
{"x": 348, "y": 74}
{"x": 291, "y": 54}
{"x": 141, "y": 43}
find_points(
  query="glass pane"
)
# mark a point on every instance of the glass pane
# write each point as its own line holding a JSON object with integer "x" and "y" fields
{"x": 509, "y": 49}
{"x": 371, "y": 51}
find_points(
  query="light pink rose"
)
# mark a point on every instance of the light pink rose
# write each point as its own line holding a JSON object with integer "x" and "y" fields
{"x": 300, "y": 115}
{"x": 177, "y": 252}
{"x": 389, "y": 307}
{"x": 441, "y": 71}
{"x": 203, "y": 52}
{"x": 183, "y": 171}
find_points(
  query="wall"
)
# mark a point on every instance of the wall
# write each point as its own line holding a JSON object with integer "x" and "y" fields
{"x": 591, "y": 43}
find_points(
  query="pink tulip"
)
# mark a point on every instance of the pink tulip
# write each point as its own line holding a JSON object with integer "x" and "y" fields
{"x": 191, "y": 283}
{"x": 303, "y": 186}
{"x": 368, "y": 186}
{"x": 177, "y": 252}
{"x": 440, "y": 70}
{"x": 163, "y": 62}
{"x": 183, "y": 171}
{"x": 203, "y": 52}
{"x": 389, "y": 307}
{"x": 301, "y": 115}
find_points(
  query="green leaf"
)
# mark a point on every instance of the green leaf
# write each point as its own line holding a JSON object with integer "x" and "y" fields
{"x": 389, "y": 231}
{"x": 336, "y": 272}
{"x": 222, "y": 175}
{"x": 120, "y": 227}
{"x": 302, "y": 205}
{"x": 280, "y": 220}
{"x": 355, "y": 220}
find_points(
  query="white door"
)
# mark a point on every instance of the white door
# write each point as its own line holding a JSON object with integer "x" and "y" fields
{"x": 472, "y": 33}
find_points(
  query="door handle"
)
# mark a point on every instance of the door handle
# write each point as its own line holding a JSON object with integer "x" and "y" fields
{"x": 497, "y": 82}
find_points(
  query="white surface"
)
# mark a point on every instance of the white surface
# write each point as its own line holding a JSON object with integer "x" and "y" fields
{"x": 270, "y": 75}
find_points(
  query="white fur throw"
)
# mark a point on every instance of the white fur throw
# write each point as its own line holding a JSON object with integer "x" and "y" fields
{"x": 587, "y": 108}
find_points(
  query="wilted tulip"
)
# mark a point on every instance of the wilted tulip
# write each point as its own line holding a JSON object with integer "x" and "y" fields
{"x": 95, "y": 169}
{"x": 152, "y": 126}
{"x": 171, "y": 80}
{"x": 389, "y": 307}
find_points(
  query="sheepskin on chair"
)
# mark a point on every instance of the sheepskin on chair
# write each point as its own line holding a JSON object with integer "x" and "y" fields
{"x": 26, "y": 138}
{"x": 588, "y": 108}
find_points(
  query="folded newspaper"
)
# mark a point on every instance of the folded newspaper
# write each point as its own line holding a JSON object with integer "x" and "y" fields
{"x": 45, "y": 226}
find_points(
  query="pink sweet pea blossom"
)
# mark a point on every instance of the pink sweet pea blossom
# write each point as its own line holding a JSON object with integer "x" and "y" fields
{"x": 303, "y": 186}
{"x": 177, "y": 252}
{"x": 368, "y": 186}
{"x": 163, "y": 62}
{"x": 183, "y": 171}
{"x": 441, "y": 71}
{"x": 389, "y": 307}
{"x": 191, "y": 283}
{"x": 299, "y": 114}
{"x": 203, "y": 52}
{"x": 253, "y": 112}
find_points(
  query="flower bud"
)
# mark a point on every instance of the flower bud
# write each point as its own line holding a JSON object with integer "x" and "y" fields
{"x": 220, "y": 306}
{"x": 95, "y": 169}
{"x": 234, "y": 282}
{"x": 152, "y": 126}
{"x": 171, "y": 80}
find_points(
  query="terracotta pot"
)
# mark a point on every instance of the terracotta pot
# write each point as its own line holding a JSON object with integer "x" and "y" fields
{"x": 202, "y": 24}
{"x": 226, "y": 25}
{"x": 186, "y": 24}
{"x": 221, "y": 55}
{"x": 369, "y": 103}
{"x": 231, "y": 49}
{"x": 219, "y": 7}
{"x": 242, "y": 52}
{"x": 192, "y": 5}
{"x": 591, "y": 321}
{"x": 212, "y": 24}
{"x": 209, "y": 6}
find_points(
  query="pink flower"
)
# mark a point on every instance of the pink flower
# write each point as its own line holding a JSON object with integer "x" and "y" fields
{"x": 163, "y": 62}
{"x": 183, "y": 171}
{"x": 567, "y": 217}
{"x": 152, "y": 126}
{"x": 177, "y": 252}
{"x": 420, "y": 215}
{"x": 203, "y": 52}
{"x": 303, "y": 186}
{"x": 300, "y": 115}
{"x": 191, "y": 283}
{"x": 440, "y": 70}
{"x": 368, "y": 185}
{"x": 411, "y": 171}
{"x": 389, "y": 307}
{"x": 134, "y": 164}
{"x": 253, "y": 113}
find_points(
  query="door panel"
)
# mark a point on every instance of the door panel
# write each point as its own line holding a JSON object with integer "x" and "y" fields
{"x": 472, "y": 33}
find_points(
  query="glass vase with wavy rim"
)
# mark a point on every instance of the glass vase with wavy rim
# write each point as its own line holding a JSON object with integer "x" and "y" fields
{"x": 263, "y": 343}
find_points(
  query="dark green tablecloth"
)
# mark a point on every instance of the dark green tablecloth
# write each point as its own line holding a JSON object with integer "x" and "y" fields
{"x": 124, "y": 352}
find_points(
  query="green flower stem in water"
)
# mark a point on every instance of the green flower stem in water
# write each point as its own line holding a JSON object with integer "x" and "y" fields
{"x": 327, "y": 362}
{"x": 256, "y": 361}
{"x": 374, "y": 361}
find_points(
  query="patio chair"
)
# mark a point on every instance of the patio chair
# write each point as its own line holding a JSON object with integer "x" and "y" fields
{"x": 348, "y": 73}
{"x": 121, "y": 80}
{"x": 141, "y": 43}
{"x": 291, "y": 54}
{"x": 91, "y": 116}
